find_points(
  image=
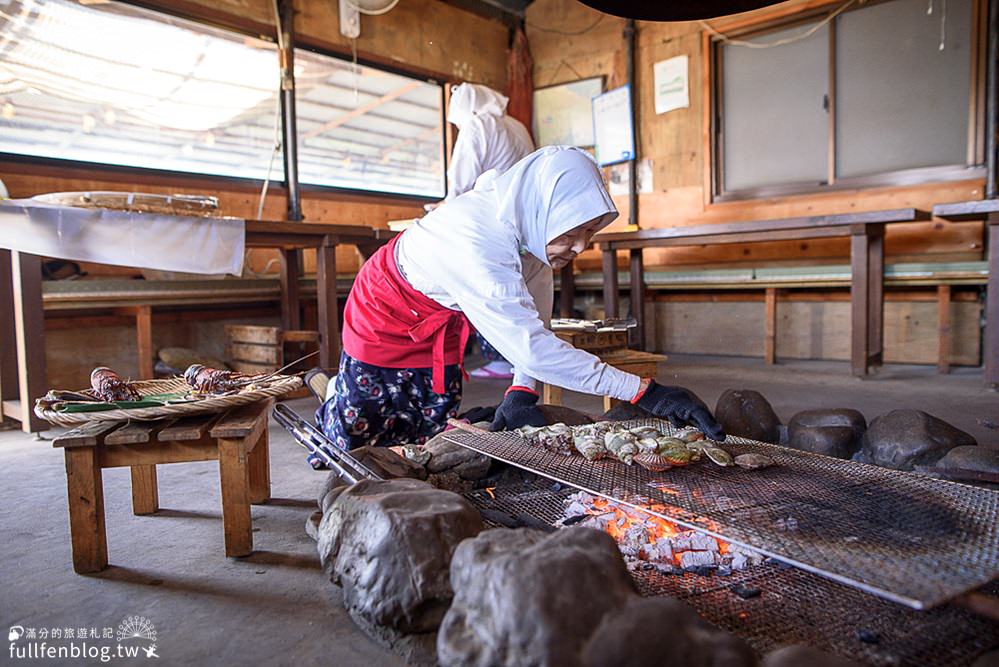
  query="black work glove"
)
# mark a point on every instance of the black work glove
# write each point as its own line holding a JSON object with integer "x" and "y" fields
{"x": 519, "y": 408}
{"x": 682, "y": 407}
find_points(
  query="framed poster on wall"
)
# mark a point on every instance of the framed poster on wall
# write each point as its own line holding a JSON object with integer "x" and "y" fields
{"x": 612, "y": 126}
{"x": 563, "y": 114}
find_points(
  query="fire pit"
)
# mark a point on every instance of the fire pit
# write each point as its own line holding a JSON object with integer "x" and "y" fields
{"x": 843, "y": 543}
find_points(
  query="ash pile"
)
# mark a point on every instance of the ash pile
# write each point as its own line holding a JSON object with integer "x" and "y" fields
{"x": 648, "y": 542}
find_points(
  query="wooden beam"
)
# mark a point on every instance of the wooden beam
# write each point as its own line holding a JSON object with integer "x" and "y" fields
{"x": 866, "y": 297}
{"x": 361, "y": 110}
{"x": 145, "y": 494}
{"x": 328, "y": 312}
{"x": 611, "y": 296}
{"x": 290, "y": 303}
{"x": 29, "y": 327}
{"x": 770, "y": 326}
{"x": 567, "y": 291}
{"x": 85, "y": 490}
{"x": 144, "y": 341}
{"x": 943, "y": 329}
{"x": 637, "y": 289}
{"x": 8, "y": 346}
{"x": 992, "y": 306}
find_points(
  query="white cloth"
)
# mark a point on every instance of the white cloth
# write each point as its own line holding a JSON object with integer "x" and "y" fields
{"x": 488, "y": 139}
{"x": 119, "y": 238}
{"x": 484, "y": 254}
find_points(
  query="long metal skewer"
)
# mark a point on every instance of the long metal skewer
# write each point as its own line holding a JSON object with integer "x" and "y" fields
{"x": 310, "y": 437}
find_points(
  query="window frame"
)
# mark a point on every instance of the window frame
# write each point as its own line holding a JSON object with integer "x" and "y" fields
{"x": 265, "y": 31}
{"x": 785, "y": 18}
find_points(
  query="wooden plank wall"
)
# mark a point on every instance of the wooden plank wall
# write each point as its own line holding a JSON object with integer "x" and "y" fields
{"x": 428, "y": 36}
{"x": 674, "y": 142}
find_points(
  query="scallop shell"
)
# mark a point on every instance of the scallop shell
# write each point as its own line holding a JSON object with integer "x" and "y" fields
{"x": 689, "y": 434}
{"x": 653, "y": 462}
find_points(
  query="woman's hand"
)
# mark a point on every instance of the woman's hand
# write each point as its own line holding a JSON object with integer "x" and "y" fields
{"x": 681, "y": 406}
{"x": 519, "y": 408}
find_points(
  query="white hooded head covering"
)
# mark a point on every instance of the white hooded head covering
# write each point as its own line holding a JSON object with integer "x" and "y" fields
{"x": 550, "y": 192}
{"x": 471, "y": 99}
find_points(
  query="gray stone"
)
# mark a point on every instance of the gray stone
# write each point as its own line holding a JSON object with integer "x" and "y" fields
{"x": 523, "y": 597}
{"x": 624, "y": 411}
{"x": 747, "y": 414}
{"x": 971, "y": 457}
{"x": 312, "y": 525}
{"x": 676, "y": 637}
{"x": 389, "y": 545}
{"x": 805, "y": 656}
{"x": 902, "y": 439}
{"x": 559, "y": 414}
{"x": 332, "y": 487}
{"x": 387, "y": 464}
{"x": 445, "y": 456}
{"x": 830, "y": 432}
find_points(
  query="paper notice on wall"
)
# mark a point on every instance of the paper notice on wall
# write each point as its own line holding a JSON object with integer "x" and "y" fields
{"x": 672, "y": 85}
{"x": 618, "y": 177}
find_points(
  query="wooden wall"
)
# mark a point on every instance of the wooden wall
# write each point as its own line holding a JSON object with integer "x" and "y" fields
{"x": 674, "y": 141}
{"x": 427, "y": 36}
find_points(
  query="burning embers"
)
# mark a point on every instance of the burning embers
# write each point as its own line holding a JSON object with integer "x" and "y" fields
{"x": 647, "y": 541}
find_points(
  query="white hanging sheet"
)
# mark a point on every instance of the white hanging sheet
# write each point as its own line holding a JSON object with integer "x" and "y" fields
{"x": 120, "y": 238}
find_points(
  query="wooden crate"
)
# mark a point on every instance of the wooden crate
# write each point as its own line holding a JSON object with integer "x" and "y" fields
{"x": 595, "y": 342}
{"x": 258, "y": 349}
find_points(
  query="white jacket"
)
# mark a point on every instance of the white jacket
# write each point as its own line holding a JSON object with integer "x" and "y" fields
{"x": 484, "y": 253}
{"x": 488, "y": 139}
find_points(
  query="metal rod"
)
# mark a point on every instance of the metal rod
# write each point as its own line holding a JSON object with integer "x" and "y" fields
{"x": 630, "y": 32}
{"x": 310, "y": 437}
{"x": 992, "y": 106}
{"x": 290, "y": 143}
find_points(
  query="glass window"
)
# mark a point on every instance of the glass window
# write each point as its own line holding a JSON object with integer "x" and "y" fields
{"x": 116, "y": 84}
{"x": 365, "y": 128}
{"x": 786, "y": 122}
{"x": 902, "y": 98}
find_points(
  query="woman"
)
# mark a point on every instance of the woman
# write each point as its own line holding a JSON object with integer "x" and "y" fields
{"x": 483, "y": 260}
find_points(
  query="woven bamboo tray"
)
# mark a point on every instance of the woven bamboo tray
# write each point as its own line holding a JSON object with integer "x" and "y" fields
{"x": 276, "y": 386}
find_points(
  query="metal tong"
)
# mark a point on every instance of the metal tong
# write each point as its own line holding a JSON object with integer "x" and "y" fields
{"x": 309, "y": 437}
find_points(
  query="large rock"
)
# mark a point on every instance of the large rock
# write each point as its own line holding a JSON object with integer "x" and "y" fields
{"x": 971, "y": 457}
{"x": 805, "y": 656}
{"x": 559, "y": 414}
{"x": 830, "y": 432}
{"x": 903, "y": 439}
{"x": 523, "y": 597}
{"x": 676, "y": 637}
{"x": 625, "y": 411}
{"x": 445, "y": 457}
{"x": 389, "y": 545}
{"x": 746, "y": 413}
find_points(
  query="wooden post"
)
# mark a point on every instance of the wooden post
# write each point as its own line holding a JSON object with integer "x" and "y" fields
{"x": 85, "y": 488}
{"x": 145, "y": 493}
{"x": 290, "y": 270}
{"x": 943, "y": 328}
{"x": 567, "y": 291}
{"x": 992, "y": 306}
{"x": 866, "y": 297}
{"x": 8, "y": 336}
{"x": 260, "y": 470}
{"x": 144, "y": 340}
{"x": 770, "y": 327}
{"x": 235, "y": 479}
{"x": 29, "y": 327}
{"x": 611, "y": 296}
{"x": 551, "y": 395}
{"x": 638, "y": 295}
{"x": 327, "y": 310}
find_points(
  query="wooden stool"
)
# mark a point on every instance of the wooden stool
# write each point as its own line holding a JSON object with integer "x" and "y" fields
{"x": 237, "y": 439}
{"x": 642, "y": 364}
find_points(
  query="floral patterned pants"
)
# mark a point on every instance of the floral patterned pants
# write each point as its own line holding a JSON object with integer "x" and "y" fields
{"x": 379, "y": 406}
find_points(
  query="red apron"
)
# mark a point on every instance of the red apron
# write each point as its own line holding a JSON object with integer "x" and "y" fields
{"x": 388, "y": 323}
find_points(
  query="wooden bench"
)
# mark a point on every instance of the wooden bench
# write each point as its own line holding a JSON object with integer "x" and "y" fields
{"x": 643, "y": 364}
{"x": 236, "y": 439}
{"x": 974, "y": 211}
{"x": 866, "y": 231}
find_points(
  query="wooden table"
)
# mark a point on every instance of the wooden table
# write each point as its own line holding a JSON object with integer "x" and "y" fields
{"x": 22, "y": 322}
{"x": 237, "y": 440}
{"x": 975, "y": 211}
{"x": 866, "y": 232}
{"x": 643, "y": 364}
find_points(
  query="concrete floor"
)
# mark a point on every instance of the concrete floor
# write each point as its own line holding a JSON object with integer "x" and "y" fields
{"x": 276, "y": 607}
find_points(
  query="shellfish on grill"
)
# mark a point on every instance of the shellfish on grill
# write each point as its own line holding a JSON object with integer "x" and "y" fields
{"x": 689, "y": 434}
{"x": 622, "y": 445}
{"x": 588, "y": 440}
{"x": 753, "y": 461}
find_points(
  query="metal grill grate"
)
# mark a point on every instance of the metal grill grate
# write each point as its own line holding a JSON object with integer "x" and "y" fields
{"x": 794, "y": 606}
{"x": 907, "y": 538}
